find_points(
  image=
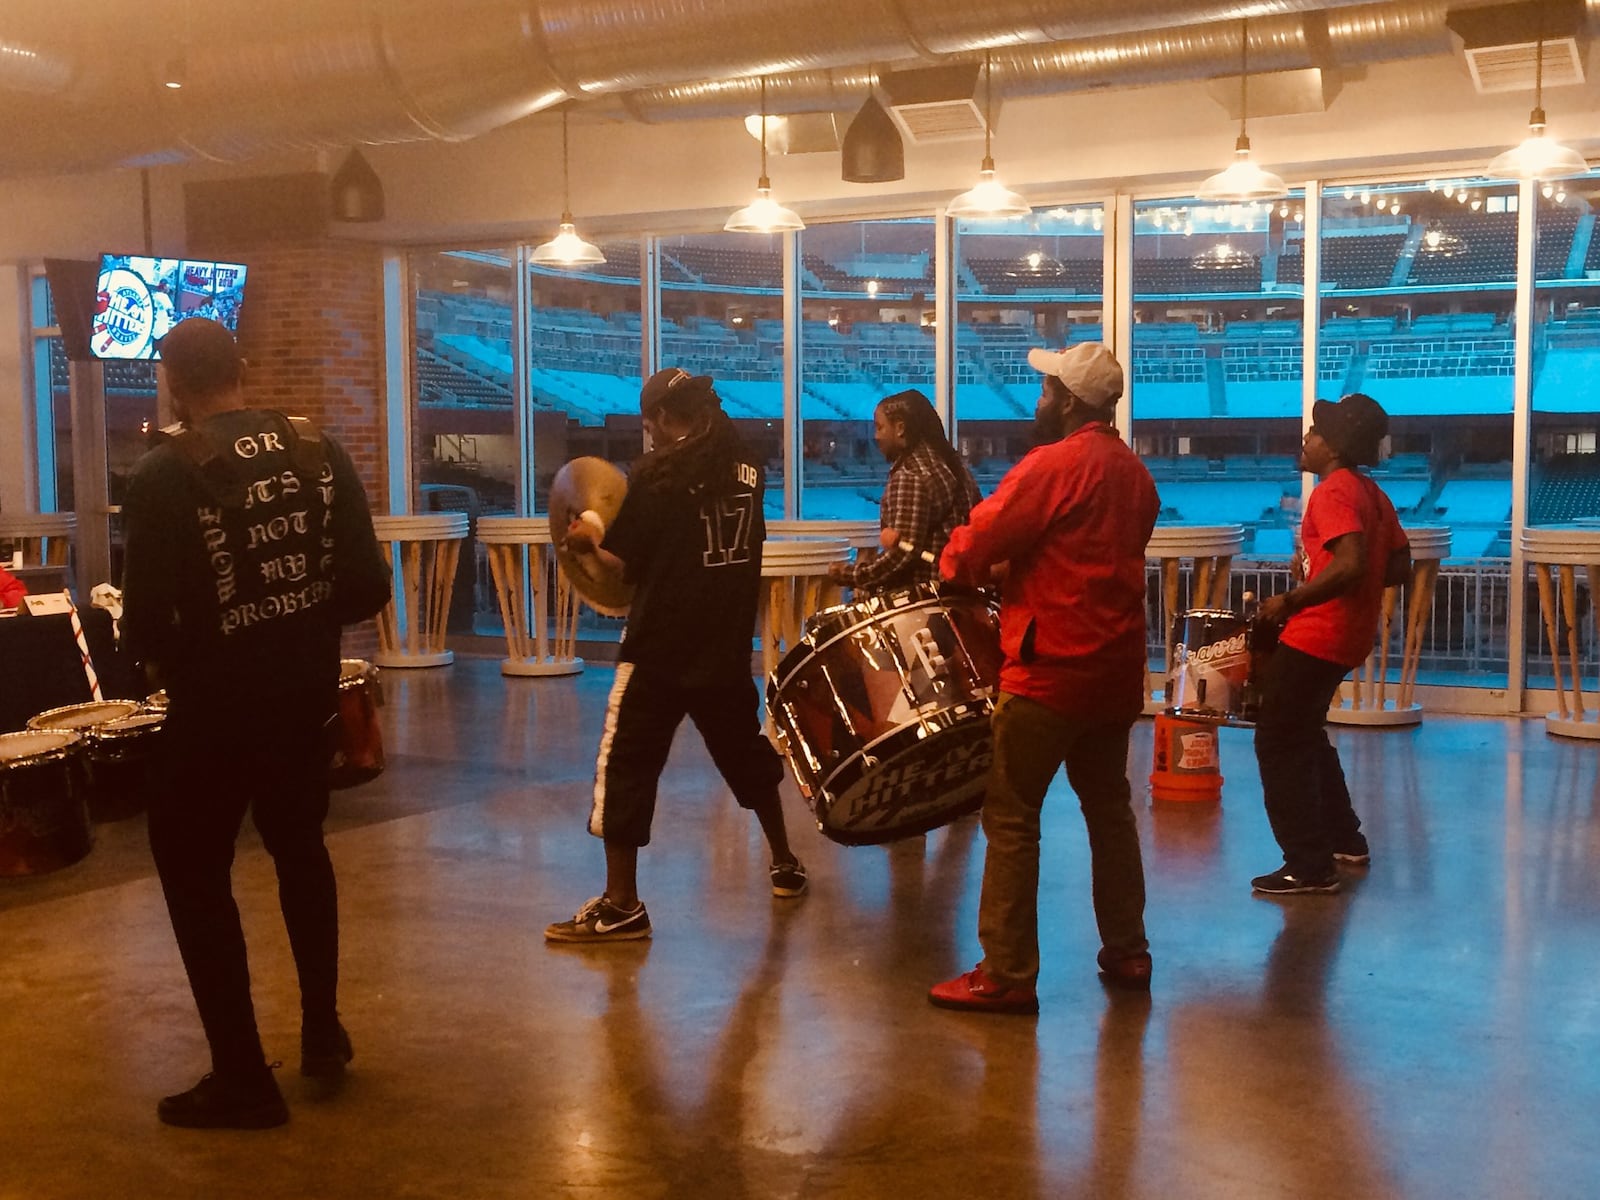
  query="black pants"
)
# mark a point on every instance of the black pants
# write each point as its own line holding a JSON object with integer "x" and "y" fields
{"x": 217, "y": 765}
{"x": 1301, "y": 779}
{"x": 644, "y": 712}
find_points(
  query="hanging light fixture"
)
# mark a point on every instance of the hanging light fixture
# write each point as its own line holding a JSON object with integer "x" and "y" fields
{"x": 872, "y": 151}
{"x": 989, "y": 199}
{"x": 567, "y": 249}
{"x": 1243, "y": 179}
{"x": 355, "y": 191}
{"x": 764, "y": 214}
{"x": 1538, "y": 158}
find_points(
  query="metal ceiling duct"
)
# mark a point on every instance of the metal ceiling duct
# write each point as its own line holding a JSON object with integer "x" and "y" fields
{"x": 317, "y": 74}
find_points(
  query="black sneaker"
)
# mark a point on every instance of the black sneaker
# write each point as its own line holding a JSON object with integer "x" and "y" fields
{"x": 1282, "y": 883}
{"x": 324, "y": 1057}
{"x": 601, "y": 921}
{"x": 788, "y": 879}
{"x": 216, "y": 1103}
{"x": 1356, "y": 854}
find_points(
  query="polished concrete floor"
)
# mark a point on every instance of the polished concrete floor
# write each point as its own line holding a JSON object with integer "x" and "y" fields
{"x": 1433, "y": 1032}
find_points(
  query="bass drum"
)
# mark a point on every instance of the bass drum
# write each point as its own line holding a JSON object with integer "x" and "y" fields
{"x": 883, "y": 710}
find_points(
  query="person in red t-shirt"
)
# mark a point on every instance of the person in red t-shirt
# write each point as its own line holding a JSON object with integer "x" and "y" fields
{"x": 1354, "y": 548}
{"x": 12, "y": 589}
{"x": 1071, "y": 519}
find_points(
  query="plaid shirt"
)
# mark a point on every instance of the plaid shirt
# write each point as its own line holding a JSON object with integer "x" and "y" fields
{"x": 924, "y": 502}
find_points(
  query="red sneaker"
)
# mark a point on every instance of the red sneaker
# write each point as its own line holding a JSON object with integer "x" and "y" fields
{"x": 976, "y": 992}
{"x": 1131, "y": 972}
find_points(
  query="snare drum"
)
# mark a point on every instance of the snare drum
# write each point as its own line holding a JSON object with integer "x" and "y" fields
{"x": 1209, "y": 676}
{"x": 883, "y": 710}
{"x": 44, "y": 822}
{"x": 114, "y": 778}
{"x": 358, "y": 740}
{"x": 122, "y": 764}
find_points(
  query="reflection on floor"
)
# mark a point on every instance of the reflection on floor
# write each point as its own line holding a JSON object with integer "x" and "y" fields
{"x": 1431, "y": 1032}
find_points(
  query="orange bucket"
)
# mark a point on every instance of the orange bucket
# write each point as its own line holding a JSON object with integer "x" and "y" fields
{"x": 1186, "y": 766}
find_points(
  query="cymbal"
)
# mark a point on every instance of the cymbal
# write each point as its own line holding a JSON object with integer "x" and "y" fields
{"x": 589, "y": 485}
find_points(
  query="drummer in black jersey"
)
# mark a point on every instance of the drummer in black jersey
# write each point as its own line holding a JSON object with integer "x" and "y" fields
{"x": 688, "y": 537}
{"x": 929, "y": 495}
{"x": 248, "y": 544}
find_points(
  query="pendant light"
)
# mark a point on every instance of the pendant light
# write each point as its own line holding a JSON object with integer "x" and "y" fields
{"x": 1538, "y": 158}
{"x": 764, "y": 214}
{"x": 567, "y": 249}
{"x": 988, "y": 199}
{"x": 1243, "y": 179}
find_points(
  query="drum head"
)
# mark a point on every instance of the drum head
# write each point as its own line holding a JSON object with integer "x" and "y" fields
{"x": 84, "y": 716}
{"x": 138, "y": 725}
{"x": 917, "y": 784}
{"x": 32, "y": 745}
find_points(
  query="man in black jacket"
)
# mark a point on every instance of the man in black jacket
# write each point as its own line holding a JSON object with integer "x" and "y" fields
{"x": 249, "y": 543}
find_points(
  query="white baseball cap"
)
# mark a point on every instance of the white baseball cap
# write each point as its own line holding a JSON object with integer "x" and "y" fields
{"x": 1089, "y": 371}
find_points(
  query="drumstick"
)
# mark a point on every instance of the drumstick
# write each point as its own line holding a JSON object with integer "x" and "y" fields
{"x": 1547, "y": 606}
{"x": 83, "y": 648}
{"x": 1569, "y": 605}
{"x": 1390, "y": 595}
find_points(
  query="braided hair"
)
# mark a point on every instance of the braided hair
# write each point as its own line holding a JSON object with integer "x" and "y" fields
{"x": 711, "y": 452}
{"x": 923, "y": 427}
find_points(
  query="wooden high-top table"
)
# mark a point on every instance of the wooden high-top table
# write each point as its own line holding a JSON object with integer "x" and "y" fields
{"x": 520, "y": 550}
{"x": 411, "y": 627}
{"x": 1565, "y": 548}
{"x": 1366, "y": 691}
{"x": 1210, "y": 550}
{"x": 795, "y": 585}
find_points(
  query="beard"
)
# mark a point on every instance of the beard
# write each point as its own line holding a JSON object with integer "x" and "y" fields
{"x": 1049, "y": 424}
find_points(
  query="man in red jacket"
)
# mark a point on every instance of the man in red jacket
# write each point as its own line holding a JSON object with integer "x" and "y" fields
{"x": 1071, "y": 520}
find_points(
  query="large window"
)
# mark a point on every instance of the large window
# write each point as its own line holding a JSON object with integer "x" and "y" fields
{"x": 1564, "y": 472}
{"x": 867, "y": 312}
{"x": 1217, "y": 363}
{"x": 722, "y": 315}
{"x": 1419, "y": 288}
{"x": 52, "y": 401}
{"x": 585, "y": 369}
{"x": 1036, "y": 282}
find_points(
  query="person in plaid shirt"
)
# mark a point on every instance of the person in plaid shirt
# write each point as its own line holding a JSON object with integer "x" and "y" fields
{"x": 930, "y": 492}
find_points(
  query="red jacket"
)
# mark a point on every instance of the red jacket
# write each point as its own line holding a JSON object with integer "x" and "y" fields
{"x": 1072, "y": 518}
{"x": 11, "y": 589}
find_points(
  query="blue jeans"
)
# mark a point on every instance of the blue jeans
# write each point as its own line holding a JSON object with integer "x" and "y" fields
{"x": 1031, "y": 741}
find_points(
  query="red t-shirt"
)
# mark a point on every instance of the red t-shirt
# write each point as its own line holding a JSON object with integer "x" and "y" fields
{"x": 1072, "y": 518}
{"x": 1341, "y": 630}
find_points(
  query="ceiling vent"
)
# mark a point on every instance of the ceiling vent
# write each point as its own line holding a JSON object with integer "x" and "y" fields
{"x": 1501, "y": 42}
{"x": 1511, "y": 68}
{"x": 935, "y": 104}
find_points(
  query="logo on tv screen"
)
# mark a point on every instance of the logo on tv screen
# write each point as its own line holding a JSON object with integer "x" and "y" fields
{"x": 138, "y": 301}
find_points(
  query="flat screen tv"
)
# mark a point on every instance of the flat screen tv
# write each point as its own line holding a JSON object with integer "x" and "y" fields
{"x": 138, "y": 300}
